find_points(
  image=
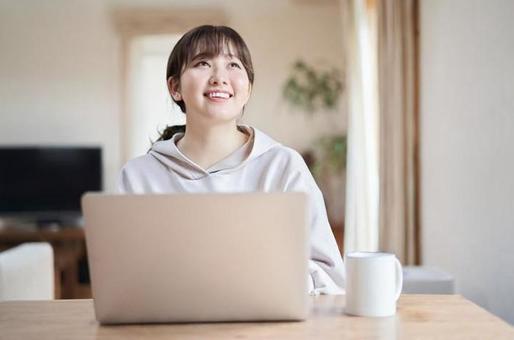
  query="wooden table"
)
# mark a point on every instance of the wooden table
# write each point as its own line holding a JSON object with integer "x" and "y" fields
{"x": 69, "y": 247}
{"x": 418, "y": 317}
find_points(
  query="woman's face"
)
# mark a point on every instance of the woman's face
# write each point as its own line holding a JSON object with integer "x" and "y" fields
{"x": 214, "y": 88}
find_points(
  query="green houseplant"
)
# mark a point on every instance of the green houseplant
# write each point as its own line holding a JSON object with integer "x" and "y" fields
{"x": 331, "y": 155}
{"x": 314, "y": 91}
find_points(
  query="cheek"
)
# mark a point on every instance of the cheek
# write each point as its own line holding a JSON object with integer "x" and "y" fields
{"x": 186, "y": 88}
{"x": 242, "y": 84}
{"x": 188, "y": 84}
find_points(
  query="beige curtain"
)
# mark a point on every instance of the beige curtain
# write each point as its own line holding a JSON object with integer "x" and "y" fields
{"x": 398, "y": 105}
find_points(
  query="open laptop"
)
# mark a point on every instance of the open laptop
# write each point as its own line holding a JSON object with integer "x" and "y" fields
{"x": 197, "y": 257}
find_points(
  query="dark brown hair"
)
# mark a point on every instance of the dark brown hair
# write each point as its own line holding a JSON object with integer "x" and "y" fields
{"x": 210, "y": 41}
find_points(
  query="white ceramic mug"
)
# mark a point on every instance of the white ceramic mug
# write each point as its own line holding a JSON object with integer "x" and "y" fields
{"x": 374, "y": 283}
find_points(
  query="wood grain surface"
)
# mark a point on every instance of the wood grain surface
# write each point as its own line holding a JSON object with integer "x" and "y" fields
{"x": 418, "y": 317}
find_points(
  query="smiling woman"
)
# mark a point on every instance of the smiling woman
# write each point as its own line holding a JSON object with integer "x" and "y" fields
{"x": 202, "y": 44}
{"x": 210, "y": 76}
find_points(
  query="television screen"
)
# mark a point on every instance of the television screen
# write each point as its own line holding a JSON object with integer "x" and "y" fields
{"x": 39, "y": 180}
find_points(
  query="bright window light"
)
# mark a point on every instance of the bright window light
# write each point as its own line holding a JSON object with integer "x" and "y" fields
{"x": 150, "y": 108}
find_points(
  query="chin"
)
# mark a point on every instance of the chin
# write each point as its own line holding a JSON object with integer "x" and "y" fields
{"x": 221, "y": 116}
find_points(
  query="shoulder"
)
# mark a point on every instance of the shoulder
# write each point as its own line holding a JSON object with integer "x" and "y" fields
{"x": 139, "y": 165}
{"x": 137, "y": 174}
{"x": 267, "y": 149}
{"x": 287, "y": 166}
{"x": 286, "y": 155}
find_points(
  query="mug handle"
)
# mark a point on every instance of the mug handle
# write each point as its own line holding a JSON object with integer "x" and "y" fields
{"x": 399, "y": 278}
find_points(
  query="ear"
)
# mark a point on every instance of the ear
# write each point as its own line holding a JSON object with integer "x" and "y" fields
{"x": 174, "y": 89}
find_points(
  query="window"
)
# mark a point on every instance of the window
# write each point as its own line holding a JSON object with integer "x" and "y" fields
{"x": 150, "y": 107}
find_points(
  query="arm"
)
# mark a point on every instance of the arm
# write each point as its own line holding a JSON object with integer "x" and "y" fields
{"x": 325, "y": 265}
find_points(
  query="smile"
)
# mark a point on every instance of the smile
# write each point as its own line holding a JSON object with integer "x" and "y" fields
{"x": 218, "y": 94}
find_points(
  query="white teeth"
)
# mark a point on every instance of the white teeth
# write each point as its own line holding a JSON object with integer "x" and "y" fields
{"x": 219, "y": 95}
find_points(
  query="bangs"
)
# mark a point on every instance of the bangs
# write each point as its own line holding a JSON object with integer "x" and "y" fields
{"x": 212, "y": 46}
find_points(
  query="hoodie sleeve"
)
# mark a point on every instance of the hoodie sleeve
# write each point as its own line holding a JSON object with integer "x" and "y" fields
{"x": 124, "y": 185}
{"x": 326, "y": 265}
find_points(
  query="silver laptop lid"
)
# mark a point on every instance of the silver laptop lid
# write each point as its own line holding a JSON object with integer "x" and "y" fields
{"x": 197, "y": 257}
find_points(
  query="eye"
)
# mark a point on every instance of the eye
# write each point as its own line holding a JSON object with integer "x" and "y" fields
{"x": 202, "y": 63}
{"x": 234, "y": 64}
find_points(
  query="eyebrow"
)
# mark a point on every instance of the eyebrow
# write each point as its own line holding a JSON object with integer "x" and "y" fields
{"x": 206, "y": 55}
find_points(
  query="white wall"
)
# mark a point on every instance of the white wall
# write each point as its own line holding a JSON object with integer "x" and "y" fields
{"x": 467, "y": 146}
{"x": 59, "y": 76}
{"x": 60, "y": 69}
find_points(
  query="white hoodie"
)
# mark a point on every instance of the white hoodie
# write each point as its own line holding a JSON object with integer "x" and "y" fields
{"x": 261, "y": 164}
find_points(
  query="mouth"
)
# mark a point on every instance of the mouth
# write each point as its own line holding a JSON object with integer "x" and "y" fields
{"x": 218, "y": 95}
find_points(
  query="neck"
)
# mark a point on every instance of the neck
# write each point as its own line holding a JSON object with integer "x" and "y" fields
{"x": 206, "y": 145}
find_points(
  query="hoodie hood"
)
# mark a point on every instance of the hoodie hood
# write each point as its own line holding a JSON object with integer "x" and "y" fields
{"x": 167, "y": 153}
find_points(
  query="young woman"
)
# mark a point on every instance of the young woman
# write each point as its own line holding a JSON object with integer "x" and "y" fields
{"x": 210, "y": 76}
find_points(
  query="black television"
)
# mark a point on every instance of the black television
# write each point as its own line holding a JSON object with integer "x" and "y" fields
{"x": 44, "y": 184}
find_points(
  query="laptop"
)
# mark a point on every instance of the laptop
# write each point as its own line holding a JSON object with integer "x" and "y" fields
{"x": 197, "y": 257}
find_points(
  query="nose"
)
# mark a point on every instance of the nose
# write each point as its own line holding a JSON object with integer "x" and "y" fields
{"x": 218, "y": 76}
